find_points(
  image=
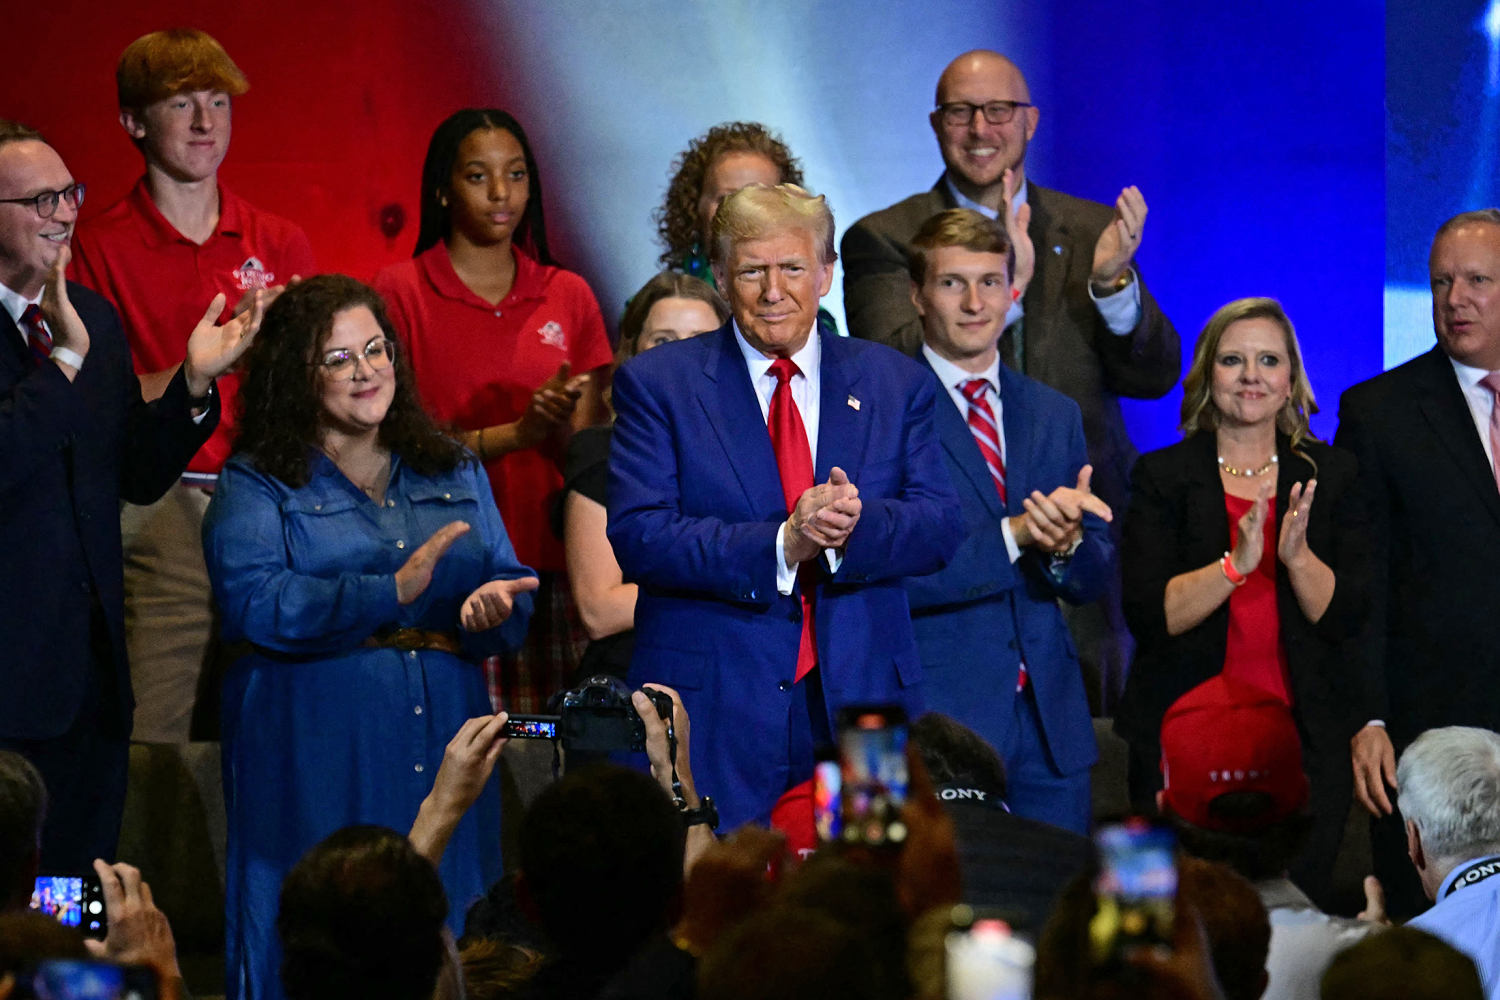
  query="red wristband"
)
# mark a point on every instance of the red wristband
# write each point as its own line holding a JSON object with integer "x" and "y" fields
{"x": 1231, "y": 574}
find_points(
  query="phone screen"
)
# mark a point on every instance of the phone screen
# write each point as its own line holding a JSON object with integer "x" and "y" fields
{"x": 72, "y": 900}
{"x": 524, "y": 727}
{"x": 85, "y": 980}
{"x": 1136, "y": 888}
{"x": 873, "y": 776}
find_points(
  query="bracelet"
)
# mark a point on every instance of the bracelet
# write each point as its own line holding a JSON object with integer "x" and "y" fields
{"x": 479, "y": 444}
{"x": 1231, "y": 574}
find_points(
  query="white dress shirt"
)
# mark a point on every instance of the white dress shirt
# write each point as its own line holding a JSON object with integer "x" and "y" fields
{"x": 805, "y": 394}
{"x": 1481, "y": 401}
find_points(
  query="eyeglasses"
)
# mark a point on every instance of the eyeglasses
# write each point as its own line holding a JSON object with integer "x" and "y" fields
{"x": 341, "y": 365}
{"x": 46, "y": 202}
{"x": 960, "y": 113}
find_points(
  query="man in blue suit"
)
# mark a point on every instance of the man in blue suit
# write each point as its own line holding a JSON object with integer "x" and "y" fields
{"x": 769, "y": 487}
{"x": 76, "y": 439}
{"x": 995, "y": 651}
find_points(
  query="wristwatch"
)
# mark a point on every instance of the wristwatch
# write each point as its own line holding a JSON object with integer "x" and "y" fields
{"x": 706, "y": 812}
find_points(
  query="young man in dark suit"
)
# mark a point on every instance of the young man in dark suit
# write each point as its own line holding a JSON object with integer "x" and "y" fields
{"x": 995, "y": 649}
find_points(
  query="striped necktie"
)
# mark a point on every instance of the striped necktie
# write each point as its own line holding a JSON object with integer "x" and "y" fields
{"x": 37, "y": 337}
{"x": 986, "y": 430}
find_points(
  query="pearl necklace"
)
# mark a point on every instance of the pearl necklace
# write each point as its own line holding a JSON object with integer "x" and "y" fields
{"x": 1225, "y": 467}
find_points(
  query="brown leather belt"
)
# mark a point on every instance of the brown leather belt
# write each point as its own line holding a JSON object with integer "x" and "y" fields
{"x": 407, "y": 639}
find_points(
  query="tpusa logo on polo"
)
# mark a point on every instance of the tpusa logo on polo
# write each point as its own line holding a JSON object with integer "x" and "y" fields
{"x": 552, "y": 335}
{"x": 253, "y": 274}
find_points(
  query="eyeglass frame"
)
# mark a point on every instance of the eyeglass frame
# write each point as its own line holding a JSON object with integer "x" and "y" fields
{"x": 942, "y": 111}
{"x": 328, "y": 362}
{"x": 72, "y": 194}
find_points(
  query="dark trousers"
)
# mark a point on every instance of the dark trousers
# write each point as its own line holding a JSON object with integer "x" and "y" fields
{"x": 84, "y": 769}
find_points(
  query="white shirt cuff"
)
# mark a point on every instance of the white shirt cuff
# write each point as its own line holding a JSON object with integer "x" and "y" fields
{"x": 1011, "y": 548}
{"x": 1376, "y": 722}
{"x": 67, "y": 356}
{"x": 786, "y": 573}
{"x": 1121, "y": 310}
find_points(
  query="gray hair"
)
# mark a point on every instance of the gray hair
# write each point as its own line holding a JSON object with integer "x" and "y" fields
{"x": 1449, "y": 782}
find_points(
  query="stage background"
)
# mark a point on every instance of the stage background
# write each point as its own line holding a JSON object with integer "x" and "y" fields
{"x": 1256, "y": 135}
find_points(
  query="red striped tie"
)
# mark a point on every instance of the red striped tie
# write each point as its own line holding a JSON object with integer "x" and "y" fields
{"x": 37, "y": 337}
{"x": 794, "y": 462}
{"x": 986, "y": 430}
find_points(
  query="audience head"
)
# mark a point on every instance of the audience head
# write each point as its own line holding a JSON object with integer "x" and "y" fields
{"x": 23, "y": 807}
{"x": 983, "y": 120}
{"x": 1241, "y": 327}
{"x": 788, "y": 952}
{"x": 725, "y": 159}
{"x": 1449, "y": 796}
{"x": 1232, "y": 773}
{"x": 175, "y": 89}
{"x": 863, "y": 899}
{"x": 956, "y": 756}
{"x": 773, "y": 258}
{"x": 481, "y": 180}
{"x": 1402, "y": 963}
{"x": 670, "y": 306}
{"x": 1235, "y": 924}
{"x": 297, "y": 389}
{"x": 960, "y": 265}
{"x": 1463, "y": 267}
{"x": 362, "y": 916}
{"x": 601, "y": 861}
{"x": 29, "y": 241}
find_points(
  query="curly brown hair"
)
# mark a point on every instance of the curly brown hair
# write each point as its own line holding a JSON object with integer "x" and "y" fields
{"x": 280, "y": 406}
{"x": 676, "y": 220}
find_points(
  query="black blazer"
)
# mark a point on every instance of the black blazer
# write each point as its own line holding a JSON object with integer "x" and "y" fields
{"x": 1432, "y": 652}
{"x": 1176, "y": 522}
{"x": 69, "y": 453}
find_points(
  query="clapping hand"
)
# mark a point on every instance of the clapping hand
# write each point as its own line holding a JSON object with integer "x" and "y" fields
{"x": 1017, "y": 225}
{"x": 62, "y": 319}
{"x": 416, "y": 573}
{"x": 212, "y": 349}
{"x": 1054, "y": 522}
{"x": 1252, "y": 540}
{"x": 551, "y": 406}
{"x": 491, "y": 603}
{"x": 1291, "y": 546}
{"x": 1120, "y": 239}
{"x": 824, "y": 517}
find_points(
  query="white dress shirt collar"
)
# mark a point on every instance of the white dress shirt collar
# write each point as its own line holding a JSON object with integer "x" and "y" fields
{"x": 963, "y": 201}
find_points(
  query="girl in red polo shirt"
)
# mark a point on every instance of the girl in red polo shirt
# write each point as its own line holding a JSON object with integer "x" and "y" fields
{"x": 509, "y": 349}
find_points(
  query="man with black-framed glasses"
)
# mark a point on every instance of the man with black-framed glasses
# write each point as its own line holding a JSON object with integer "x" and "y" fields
{"x": 1082, "y": 321}
{"x": 76, "y": 438}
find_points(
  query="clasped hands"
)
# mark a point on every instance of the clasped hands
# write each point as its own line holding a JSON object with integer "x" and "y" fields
{"x": 1053, "y": 523}
{"x": 551, "y": 406}
{"x": 823, "y": 518}
{"x": 488, "y": 606}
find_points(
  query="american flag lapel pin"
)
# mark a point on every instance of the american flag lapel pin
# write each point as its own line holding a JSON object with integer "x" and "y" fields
{"x": 853, "y": 403}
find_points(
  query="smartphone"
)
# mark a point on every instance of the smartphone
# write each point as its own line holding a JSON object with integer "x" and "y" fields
{"x": 530, "y": 727}
{"x": 73, "y": 901}
{"x": 828, "y": 783}
{"x": 986, "y": 958}
{"x": 77, "y": 979}
{"x": 1136, "y": 888}
{"x": 872, "y": 775}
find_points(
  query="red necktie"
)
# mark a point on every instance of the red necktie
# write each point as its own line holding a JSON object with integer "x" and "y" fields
{"x": 986, "y": 430}
{"x": 794, "y": 462}
{"x": 37, "y": 337}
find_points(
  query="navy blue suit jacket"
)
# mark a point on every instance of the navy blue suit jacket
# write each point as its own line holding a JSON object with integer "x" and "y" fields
{"x": 982, "y": 615}
{"x": 695, "y": 502}
{"x": 69, "y": 453}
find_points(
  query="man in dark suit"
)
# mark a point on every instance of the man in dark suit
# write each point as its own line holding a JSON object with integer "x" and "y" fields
{"x": 76, "y": 439}
{"x": 767, "y": 601}
{"x": 995, "y": 649}
{"x": 1085, "y": 325}
{"x": 1427, "y": 436}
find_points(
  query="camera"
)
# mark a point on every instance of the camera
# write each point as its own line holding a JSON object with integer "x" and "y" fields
{"x": 596, "y": 716}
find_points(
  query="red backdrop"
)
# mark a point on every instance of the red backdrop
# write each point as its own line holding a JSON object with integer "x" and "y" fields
{"x": 343, "y": 98}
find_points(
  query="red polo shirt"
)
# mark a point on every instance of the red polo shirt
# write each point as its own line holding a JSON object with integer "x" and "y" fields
{"x": 478, "y": 363}
{"x": 161, "y": 281}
